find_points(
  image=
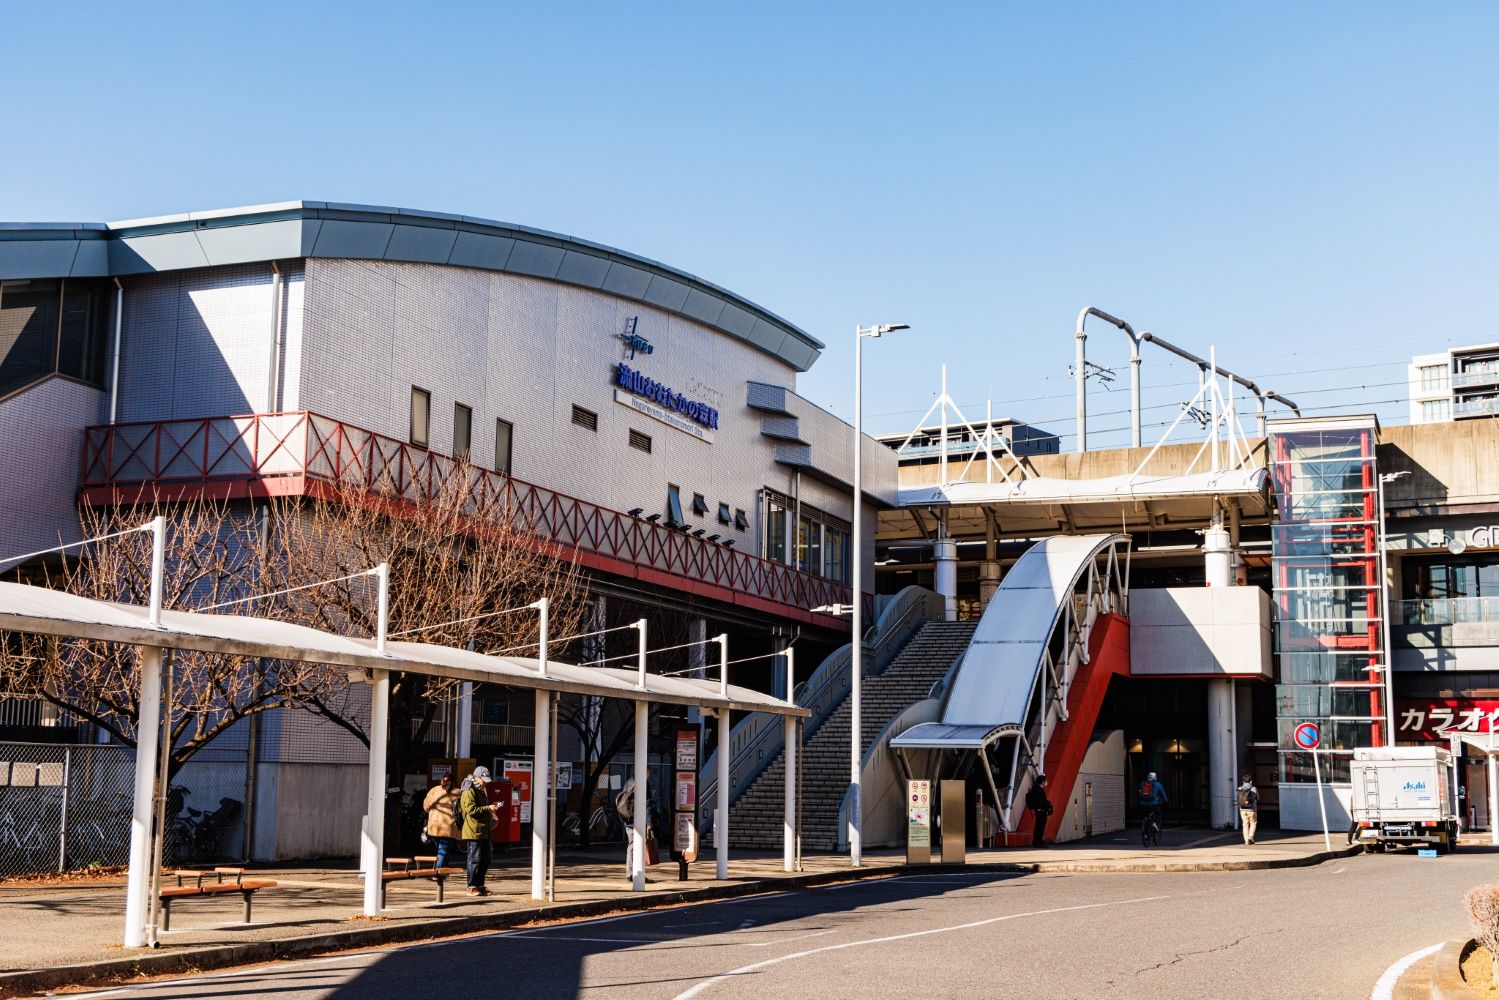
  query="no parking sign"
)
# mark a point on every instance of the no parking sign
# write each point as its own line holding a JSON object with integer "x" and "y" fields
{"x": 1308, "y": 736}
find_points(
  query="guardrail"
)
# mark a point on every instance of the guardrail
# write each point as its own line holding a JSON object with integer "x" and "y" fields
{"x": 293, "y": 453}
{"x": 1447, "y": 611}
{"x": 759, "y": 737}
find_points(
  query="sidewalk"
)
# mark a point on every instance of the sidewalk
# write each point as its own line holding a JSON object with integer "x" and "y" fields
{"x": 71, "y": 933}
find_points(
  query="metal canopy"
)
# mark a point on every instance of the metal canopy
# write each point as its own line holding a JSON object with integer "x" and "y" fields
{"x": 25, "y": 608}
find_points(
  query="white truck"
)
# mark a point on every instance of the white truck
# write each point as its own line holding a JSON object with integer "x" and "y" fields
{"x": 1404, "y": 795}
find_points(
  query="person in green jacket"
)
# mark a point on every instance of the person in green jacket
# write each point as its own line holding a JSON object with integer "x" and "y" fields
{"x": 477, "y": 814}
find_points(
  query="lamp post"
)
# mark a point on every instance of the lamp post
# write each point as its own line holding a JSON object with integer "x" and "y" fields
{"x": 855, "y": 814}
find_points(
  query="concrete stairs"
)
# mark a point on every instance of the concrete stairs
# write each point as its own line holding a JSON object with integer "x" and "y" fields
{"x": 755, "y": 819}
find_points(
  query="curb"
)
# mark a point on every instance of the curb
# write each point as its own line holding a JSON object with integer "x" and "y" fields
{"x": 250, "y": 952}
{"x": 1447, "y": 981}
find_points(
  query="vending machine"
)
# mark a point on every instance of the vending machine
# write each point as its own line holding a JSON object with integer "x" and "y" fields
{"x": 506, "y": 829}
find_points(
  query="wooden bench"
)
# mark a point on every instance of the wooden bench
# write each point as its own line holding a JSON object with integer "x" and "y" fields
{"x": 201, "y": 888}
{"x": 401, "y": 869}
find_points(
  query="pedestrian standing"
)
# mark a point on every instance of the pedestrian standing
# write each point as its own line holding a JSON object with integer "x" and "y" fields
{"x": 1039, "y": 804}
{"x": 443, "y": 821}
{"x": 478, "y": 819}
{"x": 1249, "y": 808}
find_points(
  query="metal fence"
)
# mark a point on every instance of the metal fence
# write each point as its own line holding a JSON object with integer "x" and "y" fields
{"x": 65, "y": 807}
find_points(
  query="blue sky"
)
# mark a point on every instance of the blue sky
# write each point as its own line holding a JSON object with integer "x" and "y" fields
{"x": 1309, "y": 187}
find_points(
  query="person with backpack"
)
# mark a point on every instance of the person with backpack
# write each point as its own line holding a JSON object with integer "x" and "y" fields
{"x": 443, "y": 821}
{"x": 1040, "y": 806}
{"x": 1248, "y": 798}
{"x": 1152, "y": 795}
{"x": 477, "y": 820}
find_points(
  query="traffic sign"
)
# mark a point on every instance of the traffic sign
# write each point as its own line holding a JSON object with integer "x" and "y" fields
{"x": 1308, "y": 736}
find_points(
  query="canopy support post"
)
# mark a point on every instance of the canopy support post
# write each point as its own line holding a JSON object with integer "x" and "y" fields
{"x": 642, "y": 803}
{"x": 147, "y": 734}
{"x": 374, "y": 820}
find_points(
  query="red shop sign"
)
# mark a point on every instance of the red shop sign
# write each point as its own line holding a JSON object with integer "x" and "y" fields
{"x": 1433, "y": 719}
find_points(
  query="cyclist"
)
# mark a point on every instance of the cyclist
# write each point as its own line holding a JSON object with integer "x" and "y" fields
{"x": 1153, "y": 798}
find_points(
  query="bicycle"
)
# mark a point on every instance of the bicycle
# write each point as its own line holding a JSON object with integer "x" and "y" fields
{"x": 1150, "y": 828}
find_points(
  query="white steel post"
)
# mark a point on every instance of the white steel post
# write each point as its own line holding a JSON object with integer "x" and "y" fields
{"x": 382, "y": 606}
{"x": 856, "y": 665}
{"x": 147, "y": 729}
{"x": 641, "y": 660}
{"x": 1493, "y": 796}
{"x": 642, "y": 802}
{"x": 374, "y": 820}
{"x": 540, "y": 810}
{"x": 788, "y": 823}
{"x": 723, "y": 664}
{"x": 721, "y": 835}
{"x": 1321, "y": 799}
{"x": 158, "y": 568}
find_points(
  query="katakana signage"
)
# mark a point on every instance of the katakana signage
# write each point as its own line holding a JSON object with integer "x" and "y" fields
{"x": 1432, "y": 720}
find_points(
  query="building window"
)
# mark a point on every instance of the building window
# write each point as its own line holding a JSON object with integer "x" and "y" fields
{"x": 463, "y": 430}
{"x": 1433, "y": 378}
{"x": 740, "y": 520}
{"x": 639, "y": 440}
{"x": 674, "y": 505}
{"x": 53, "y": 327}
{"x": 586, "y": 419}
{"x": 724, "y": 517}
{"x": 421, "y": 416}
{"x": 1435, "y": 410}
{"x": 819, "y": 543}
{"x": 776, "y": 518}
{"x": 503, "y": 431}
{"x": 699, "y": 504}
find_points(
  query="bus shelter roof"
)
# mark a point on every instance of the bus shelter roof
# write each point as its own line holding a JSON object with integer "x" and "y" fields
{"x": 39, "y": 610}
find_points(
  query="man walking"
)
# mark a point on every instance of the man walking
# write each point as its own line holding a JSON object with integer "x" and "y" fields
{"x": 478, "y": 820}
{"x": 1039, "y": 804}
{"x": 1249, "y": 808}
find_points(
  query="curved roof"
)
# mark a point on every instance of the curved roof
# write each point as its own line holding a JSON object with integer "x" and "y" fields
{"x": 293, "y": 229}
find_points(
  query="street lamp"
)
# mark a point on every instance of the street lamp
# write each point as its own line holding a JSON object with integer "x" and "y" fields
{"x": 856, "y": 809}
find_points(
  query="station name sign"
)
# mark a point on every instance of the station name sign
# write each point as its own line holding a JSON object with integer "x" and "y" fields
{"x": 665, "y": 396}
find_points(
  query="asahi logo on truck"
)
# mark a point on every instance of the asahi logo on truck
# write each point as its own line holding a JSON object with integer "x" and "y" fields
{"x": 1414, "y": 786}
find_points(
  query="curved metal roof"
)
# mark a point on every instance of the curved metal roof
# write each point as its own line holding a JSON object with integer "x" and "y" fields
{"x": 293, "y": 229}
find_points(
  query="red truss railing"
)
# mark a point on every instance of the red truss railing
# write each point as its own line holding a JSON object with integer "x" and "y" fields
{"x": 299, "y": 453}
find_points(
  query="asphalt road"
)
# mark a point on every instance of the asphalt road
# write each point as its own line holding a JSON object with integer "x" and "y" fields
{"x": 1328, "y": 931}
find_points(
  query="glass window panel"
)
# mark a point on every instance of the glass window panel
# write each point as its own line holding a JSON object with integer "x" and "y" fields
{"x": 84, "y": 337}
{"x": 421, "y": 416}
{"x": 503, "y": 433}
{"x": 463, "y": 431}
{"x": 1296, "y": 767}
{"x": 1326, "y": 667}
{"x": 28, "y": 332}
{"x": 674, "y": 504}
{"x": 775, "y": 531}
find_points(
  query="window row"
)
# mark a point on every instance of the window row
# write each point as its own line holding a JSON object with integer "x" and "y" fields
{"x": 811, "y": 540}
{"x": 53, "y": 327}
{"x": 463, "y": 430}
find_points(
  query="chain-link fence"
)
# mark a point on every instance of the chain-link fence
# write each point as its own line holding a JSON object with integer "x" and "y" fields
{"x": 67, "y": 806}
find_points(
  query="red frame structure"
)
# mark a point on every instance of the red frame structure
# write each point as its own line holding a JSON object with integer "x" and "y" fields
{"x": 301, "y": 453}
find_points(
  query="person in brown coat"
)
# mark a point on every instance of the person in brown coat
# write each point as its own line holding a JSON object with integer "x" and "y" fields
{"x": 441, "y": 804}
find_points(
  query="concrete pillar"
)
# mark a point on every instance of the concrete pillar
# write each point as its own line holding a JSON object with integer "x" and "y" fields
{"x": 697, "y": 660}
{"x": 788, "y": 821}
{"x": 373, "y": 843}
{"x": 147, "y": 735}
{"x": 542, "y": 790}
{"x": 1221, "y": 753}
{"x": 945, "y": 553}
{"x": 642, "y": 801}
{"x": 1217, "y": 556}
{"x": 988, "y": 581}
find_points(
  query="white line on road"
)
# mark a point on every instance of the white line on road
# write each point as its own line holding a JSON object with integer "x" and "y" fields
{"x": 746, "y": 969}
{"x": 1385, "y": 988}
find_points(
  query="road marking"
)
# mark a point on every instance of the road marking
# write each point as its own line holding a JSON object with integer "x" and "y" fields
{"x": 799, "y": 937}
{"x": 1385, "y": 988}
{"x": 747, "y": 969}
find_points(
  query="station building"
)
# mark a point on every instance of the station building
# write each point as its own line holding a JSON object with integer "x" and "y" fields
{"x": 650, "y": 417}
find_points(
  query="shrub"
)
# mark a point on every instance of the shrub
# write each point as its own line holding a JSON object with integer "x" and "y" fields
{"x": 1483, "y": 911}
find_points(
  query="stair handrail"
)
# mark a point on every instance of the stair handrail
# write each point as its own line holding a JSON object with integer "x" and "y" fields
{"x": 756, "y": 740}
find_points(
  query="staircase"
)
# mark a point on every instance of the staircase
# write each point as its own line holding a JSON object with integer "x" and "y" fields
{"x": 755, "y": 820}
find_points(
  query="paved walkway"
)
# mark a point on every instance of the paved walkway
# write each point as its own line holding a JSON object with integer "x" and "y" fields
{"x": 317, "y": 908}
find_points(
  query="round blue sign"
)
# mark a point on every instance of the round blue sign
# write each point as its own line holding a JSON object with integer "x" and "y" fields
{"x": 1308, "y": 736}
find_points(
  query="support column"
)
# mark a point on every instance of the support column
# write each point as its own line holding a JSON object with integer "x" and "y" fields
{"x": 642, "y": 801}
{"x": 945, "y": 555}
{"x": 1493, "y": 798}
{"x": 147, "y": 746}
{"x": 721, "y": 835}
{"x": 788, "y": 822}
{"x": 465, "y": 723}
{"x": 374, "y": 820}
{"x": 1221, "y": 756}
{"x": 543, "y": 790}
